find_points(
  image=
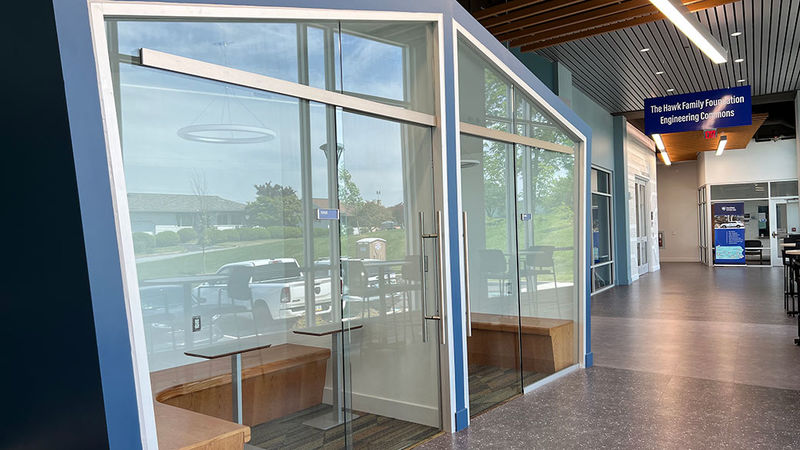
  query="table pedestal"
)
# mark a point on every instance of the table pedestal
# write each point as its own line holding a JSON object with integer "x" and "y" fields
{"x": 336, "y": 417}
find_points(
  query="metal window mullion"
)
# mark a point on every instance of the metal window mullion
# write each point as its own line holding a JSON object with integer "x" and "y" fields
{"x": 216, "y": 72}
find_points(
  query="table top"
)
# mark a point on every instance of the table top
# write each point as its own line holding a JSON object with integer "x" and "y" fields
{"x": 186, "y": 279}
{"x": 230, "y": 348}
{"x": 793, "y": 252}
{"x": 788, "y": 244}
{"x": 327, "y": 329}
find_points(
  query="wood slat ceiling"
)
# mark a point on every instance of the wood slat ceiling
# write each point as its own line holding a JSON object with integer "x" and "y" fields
{"x": 685, "y": 146}
{"x": 599, "y": 41}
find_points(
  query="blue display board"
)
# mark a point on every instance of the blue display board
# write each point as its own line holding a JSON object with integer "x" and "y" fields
{"x": 698, "y": 111}
{"x": 728, "y": 233}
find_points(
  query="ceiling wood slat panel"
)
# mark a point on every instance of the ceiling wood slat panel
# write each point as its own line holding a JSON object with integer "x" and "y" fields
{"x": 685, "y": 146}
{"x": 540, "y": 7}
{"x": 610, "y": 68}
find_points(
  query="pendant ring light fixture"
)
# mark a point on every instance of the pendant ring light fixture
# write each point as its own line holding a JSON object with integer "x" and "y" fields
{"x": 227, "y": 131}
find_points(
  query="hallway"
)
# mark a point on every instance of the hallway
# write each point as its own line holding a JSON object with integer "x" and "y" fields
{"x": 688, "y": 357}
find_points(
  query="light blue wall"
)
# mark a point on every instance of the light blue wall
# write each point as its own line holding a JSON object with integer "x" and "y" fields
{"x": 602, "y": 123}
{"x": 543, "y": 68}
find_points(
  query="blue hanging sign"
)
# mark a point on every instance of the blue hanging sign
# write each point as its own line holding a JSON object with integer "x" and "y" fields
{"x": 728, "y": 233}
{"x": 707, "y": 110}
{"x": 327, "y": 214}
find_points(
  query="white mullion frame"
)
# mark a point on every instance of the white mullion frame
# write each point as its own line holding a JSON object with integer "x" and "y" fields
{"x": 99, "y": 11}
{"x": 510, "y": 138}
{"x": 580, "y": 152}
{"x": 594, "y": 266}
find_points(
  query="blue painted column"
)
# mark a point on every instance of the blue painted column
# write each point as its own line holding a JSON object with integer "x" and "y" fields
{"x": 622, "y": 238}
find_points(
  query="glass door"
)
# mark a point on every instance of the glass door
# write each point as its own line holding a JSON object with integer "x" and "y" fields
{"x": 785, "y": 212}
{"x": 391, "y": 266}
{"x": 488, "y": 199}
{"x": 641, "y": 226}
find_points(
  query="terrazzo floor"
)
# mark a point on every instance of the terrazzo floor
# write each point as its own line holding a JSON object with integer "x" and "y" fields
{"x": 687, "y": 357}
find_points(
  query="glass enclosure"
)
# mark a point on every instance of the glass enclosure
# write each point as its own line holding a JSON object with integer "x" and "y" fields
{"x": 286, "y": 229}
{"x": 518, "y": 188}
{"x": 602, "y": 257}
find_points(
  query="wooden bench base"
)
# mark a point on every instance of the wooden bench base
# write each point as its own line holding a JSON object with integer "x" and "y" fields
{"x": 547, "y": 344}
{"x": 276, "y": 382}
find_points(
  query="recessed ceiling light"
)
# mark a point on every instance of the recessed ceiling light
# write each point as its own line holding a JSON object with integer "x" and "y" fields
{"x": 736, "y": 33}
{"x": 738, "y": 60}
{"x": 670, "y": 90}
{"x": 644, "y": 50}
{"x": 741, "y": 81}
{"x": 660, "y": 72}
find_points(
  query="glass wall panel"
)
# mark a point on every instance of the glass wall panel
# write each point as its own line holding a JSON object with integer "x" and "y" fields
{"x": 391, "y": 351}
{"x": 390, "y": 62}
{"x": 224, "y": 189}
{"x": 738, "y": 191}
{"x": 487, "y": 188}
{"x": 601, "y": 181}
{"x": 602, "y": 276}
{"x": 601, "y": 228}
{"x": 283, "y": 50}
{"x": 545, "y": 183}
{"x": 485, "y": 96}
{"x": 530, "y": 121}
{"x": 783, "y": 189}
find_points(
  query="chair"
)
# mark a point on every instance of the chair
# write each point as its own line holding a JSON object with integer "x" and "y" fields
{"x": 753, "y": 247}
{"x": 494, "y": 267}
{"x": 539, "y": 261}
{"x": 237, "y": 289}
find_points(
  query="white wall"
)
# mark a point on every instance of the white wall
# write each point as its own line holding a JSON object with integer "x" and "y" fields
{"x": 677, "y": 205}
{"x": 641, "y": 162}
{"x": 760, "y": 161}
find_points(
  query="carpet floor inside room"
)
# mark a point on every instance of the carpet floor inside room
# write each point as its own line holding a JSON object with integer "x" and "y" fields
{"x": 369, "y": 431}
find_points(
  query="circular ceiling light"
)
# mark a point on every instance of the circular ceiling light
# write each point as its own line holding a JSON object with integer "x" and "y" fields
{"x": 226, "y": 133}
{"x": 741, "y": 81}
{"x": 660, "y": 72}
{"x": 645, "y": 50}
{"x": 467, "y": 163}
{"x": 670, "y": 90}
{"x": 736, "y": 33}
{"x": 738, "y": 60}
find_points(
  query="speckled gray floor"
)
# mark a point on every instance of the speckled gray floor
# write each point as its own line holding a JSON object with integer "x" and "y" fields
{"x": 688, "y": 357}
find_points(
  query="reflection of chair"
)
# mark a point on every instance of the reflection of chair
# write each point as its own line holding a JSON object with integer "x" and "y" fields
{"x": 494, "y": 267}
{"x": 539, "y": 261}
{"x": 752, "y": 247}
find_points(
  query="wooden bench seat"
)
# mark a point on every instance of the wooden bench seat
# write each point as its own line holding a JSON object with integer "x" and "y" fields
{"x": 179, "y": 428}
{"x": 547, "y": 344}
{"x": 276, "y": 382}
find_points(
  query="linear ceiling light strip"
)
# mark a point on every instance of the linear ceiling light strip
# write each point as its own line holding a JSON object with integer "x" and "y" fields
{"x": 188, "y": 66}
{"x": 680, "y": 16}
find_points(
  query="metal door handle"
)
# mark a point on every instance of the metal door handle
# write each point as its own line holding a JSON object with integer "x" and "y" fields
{"x": 466, "y": 274}
{"x": 424, "y": 285}
{"x": 440, "y": 274}
{"x": 440, "y": 258}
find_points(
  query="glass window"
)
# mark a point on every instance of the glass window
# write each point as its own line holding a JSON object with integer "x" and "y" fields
{"x": 738, "y": 191}
{"x": 530, "y": 121}
{"x": 601, "y": 181}
{"x": 382, "y": 61}
{"x": 783, "y": 189}
{"x": 602, "y": 277}
{"x": 601, "y": 228}
{"x": 485, "y": 95}
{"x": 389, "y": 62}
